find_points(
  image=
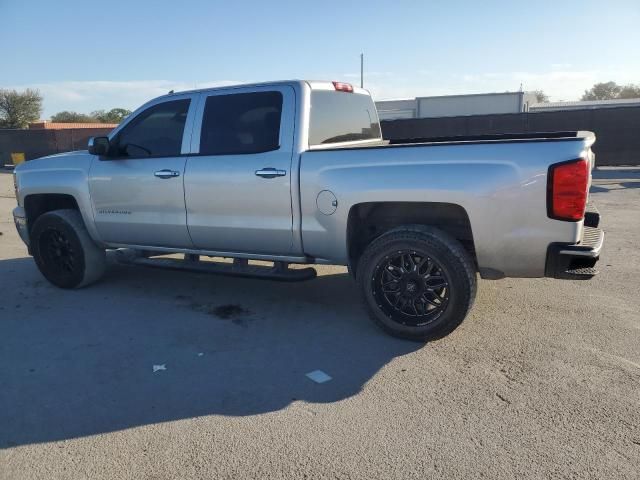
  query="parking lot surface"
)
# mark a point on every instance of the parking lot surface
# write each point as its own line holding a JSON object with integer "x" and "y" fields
{"x": 542, "y": 380}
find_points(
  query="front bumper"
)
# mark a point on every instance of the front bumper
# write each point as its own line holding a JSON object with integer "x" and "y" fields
{"x": 20, "y": 220}
{"x": 577, "y": 261}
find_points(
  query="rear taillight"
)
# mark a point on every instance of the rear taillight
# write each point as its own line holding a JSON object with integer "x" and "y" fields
{"x": 343, "y": 87}
{"x": 567, "y": 190}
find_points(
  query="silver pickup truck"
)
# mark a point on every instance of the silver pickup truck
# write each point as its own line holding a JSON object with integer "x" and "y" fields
{"x": 298, "y": 172}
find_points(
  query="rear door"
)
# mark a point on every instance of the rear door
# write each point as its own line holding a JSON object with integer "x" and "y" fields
{"x": 137, "y": 190}
{"x": 238, "y": 178}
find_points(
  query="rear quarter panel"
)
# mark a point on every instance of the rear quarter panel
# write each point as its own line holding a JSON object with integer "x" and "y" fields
{"x": 501, "y": 186}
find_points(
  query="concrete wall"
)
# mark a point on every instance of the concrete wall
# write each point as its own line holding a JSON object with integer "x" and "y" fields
{"x": 392, "y": 109}
{"x": 458, "y": 105}
{"x": 582, "y": 105}
{"x": 617, "y": 129}
{"x": 38, "y": 143}
{"x": 455, "y": 105}
{"x": 395, "y": 114}
{"x": 528, "y": 100}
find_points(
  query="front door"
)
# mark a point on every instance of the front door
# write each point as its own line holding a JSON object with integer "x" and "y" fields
{"x": 238, "y": 180}
{"x": 137, "y": 190}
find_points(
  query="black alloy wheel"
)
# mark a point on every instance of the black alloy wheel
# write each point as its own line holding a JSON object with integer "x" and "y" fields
{"x": 64, "y": 251}
{"x": 417, "y": 282}
{"x": 57, "y": 251}
{"x": 411, "y": 287}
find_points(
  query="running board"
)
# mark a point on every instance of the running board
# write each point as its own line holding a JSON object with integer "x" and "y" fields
{"x": 240, "y": 267}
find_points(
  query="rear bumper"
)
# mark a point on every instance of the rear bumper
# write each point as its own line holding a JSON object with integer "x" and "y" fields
{"x": 20, "y": 220}
{"x": 577, "y": 261}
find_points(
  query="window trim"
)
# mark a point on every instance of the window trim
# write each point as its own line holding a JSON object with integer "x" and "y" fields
{"x": 186, "y": 133}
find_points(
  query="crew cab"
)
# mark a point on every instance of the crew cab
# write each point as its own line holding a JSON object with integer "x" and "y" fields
{"x": 298, "y": 172}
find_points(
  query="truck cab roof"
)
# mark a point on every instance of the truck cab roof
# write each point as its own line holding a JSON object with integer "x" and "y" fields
{"x": 312, "y": 84}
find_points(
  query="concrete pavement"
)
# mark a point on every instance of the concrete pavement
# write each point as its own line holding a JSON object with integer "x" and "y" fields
{"x": 542, "y": 380}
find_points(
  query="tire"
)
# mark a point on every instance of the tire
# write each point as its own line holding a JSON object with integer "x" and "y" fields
{"x": 63, "y": 250}
{"x": 417, "y": 282}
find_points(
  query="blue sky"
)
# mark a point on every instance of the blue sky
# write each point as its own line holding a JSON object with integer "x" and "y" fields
{"x": 91, "y": 55}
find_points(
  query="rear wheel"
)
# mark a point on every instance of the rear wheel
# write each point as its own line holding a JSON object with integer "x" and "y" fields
{"x": 417, "y": 282}
{"x": 63, "y": 250}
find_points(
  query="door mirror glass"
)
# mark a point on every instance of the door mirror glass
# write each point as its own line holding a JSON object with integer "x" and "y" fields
{"x": 98, "y": 145}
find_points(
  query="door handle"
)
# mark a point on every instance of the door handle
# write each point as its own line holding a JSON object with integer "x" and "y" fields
{"x": 166, "y": 173}
{"x": 270, "y": 173}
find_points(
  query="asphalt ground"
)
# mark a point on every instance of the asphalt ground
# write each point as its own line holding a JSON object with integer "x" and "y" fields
{"x": 542, "y": 380}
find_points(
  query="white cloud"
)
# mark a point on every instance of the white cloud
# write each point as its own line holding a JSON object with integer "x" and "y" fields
{"x": 86, "y": 96}
{"x": 556, "y": 83}
{"x": 561, "y": 66}
{"x": 561, "y": 82}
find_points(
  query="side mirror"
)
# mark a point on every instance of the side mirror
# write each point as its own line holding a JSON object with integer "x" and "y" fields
{"x": 98, "y": 145}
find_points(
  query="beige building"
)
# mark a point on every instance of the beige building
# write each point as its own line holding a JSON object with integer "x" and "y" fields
{"x": 456, "y": 105}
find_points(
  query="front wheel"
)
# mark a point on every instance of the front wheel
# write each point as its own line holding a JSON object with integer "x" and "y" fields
{"x": 63, "y": 250}
{"x": 417, "y": 282}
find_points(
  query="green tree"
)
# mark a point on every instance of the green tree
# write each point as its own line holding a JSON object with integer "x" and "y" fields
{"x": 18, "y": 109}
{"x": 72, "y": 117}
{"x": 603, "y": 91}
{"x": 115, "y": 115}
{"x": 611, "y": 91}
{"x": 541, "y": 97}
{"x": 629, "y": 91}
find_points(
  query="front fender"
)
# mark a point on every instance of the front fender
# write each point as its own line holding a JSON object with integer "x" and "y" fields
{"x": 66, "y": 174}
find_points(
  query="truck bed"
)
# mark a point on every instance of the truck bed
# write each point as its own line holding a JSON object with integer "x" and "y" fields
{"x": 499, "y": 180}
{"x": 562, "y": 136}
{"x": 503, "y": 137}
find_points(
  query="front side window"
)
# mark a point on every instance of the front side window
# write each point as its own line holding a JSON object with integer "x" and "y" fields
{"x": 156, "y": 132}
{"x": 241, "y": 123}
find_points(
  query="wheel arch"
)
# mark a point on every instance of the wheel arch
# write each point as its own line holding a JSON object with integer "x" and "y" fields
{"x": 37, "y": 204}
{"x": 370, "y": 220}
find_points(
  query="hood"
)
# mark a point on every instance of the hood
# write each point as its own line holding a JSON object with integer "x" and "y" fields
{"x": 59, "y": 161}
{"x": 64, "y": 154}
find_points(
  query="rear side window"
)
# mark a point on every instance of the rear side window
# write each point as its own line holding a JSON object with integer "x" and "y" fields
{"x": 156, "y": 132}
{"x": 241, "y": 123}
{"x": 342, "y": 117}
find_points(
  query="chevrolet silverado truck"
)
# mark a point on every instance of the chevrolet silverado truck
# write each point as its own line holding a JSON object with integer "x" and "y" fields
{"x": 297, "y": 172}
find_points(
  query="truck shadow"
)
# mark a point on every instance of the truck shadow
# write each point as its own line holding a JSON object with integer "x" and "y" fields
{"x": 617, "y": 173}
{"x": 78, "y": 363}
{"x": 613, "y": 185}
{"x": 615, "y": 179}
